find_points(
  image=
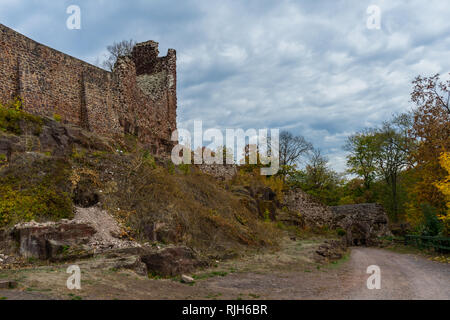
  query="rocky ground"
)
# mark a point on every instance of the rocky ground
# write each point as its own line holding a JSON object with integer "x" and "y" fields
{"x": 294, "y": 272}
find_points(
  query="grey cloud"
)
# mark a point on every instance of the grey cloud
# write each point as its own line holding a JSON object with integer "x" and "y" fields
{"x": 308, "y": 66}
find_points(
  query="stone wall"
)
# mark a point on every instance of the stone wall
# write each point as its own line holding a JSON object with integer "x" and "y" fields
{"x": 313, "y": 213}
{"x": 363, "y": 223}
{"x": 221, "y": 172}
{"x": 138, "y": 97}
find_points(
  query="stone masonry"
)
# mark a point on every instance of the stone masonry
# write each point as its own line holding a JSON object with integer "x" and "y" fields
{"x": 138, "y": 98}
{"x": 363, "y": 223}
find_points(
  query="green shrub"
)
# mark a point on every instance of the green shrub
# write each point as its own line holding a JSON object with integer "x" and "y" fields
{"x": 171, "y": 168}
{"x": 78, "y": 154}
{"x": 148, "y": 159}
{"x": 35, "y": 203}
{"x": 185, "y": 168}
{"x": 431, "y": 226}
{"x": 341, "y": 232}
{"x": 35, "y": 190}
{"x": 13, "y": 119}
{"x": 267, "y": 215}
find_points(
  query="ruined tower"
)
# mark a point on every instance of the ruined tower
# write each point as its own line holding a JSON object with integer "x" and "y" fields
{"x": 139, "y": 97}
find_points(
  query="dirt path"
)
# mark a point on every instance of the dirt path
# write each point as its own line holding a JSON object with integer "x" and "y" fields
{"x": 403, "y": 276}
{"x": 287, "y": 274}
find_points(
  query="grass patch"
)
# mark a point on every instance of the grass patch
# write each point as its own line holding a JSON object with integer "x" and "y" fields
{"x": 338, "y": 263}
{"x": 210, "y": 275}
{"x": 14, "y": 120}
{"x": 74, "y": 297}
{"x": 37, "y": 290}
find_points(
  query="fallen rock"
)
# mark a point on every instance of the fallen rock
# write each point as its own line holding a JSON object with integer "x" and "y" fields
{"x": 119, "y": 261}
{"x": 107, "y": 229}
{"x": 331, "y": 250}
{"x": 46, "y": 240}
{"x": 172, "y": 261}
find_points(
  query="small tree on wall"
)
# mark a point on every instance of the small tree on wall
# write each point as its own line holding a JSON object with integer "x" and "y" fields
{"x": 116, "y": 50}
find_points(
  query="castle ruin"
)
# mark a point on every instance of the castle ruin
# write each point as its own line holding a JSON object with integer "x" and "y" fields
{"x": 138, "y": 98}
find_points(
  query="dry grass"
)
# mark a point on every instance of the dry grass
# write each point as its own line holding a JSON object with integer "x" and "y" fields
{"x": 178, "y": 206}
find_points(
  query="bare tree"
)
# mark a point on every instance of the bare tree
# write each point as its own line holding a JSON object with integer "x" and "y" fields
{"x": 117, "y": 50}
{"x": 292, "y": 148}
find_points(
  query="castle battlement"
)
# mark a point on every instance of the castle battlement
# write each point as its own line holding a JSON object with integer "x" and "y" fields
{"x": 139, "y": 97}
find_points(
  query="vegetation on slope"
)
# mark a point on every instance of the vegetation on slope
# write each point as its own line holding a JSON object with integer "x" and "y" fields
{"x": 34, "y": 188}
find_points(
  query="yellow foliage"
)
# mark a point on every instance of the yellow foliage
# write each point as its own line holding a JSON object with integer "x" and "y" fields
{"x": 247, "y": 177}
{"x": 13, "y": 119}
{"x": 444, "y": 188}
{"x": 57, "y": 117}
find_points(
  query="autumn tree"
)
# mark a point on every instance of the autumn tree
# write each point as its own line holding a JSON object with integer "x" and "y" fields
{"x": 444, "y": 187}
{"x": 431, "y": 128}
{"x": 381, "y": 153}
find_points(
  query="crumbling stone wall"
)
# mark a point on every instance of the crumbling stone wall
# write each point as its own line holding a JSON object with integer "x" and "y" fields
{"x": 363, "y": 223}
{"x": 138, "y": 97}
{"x": 221, "y": 172}
{"x": 312, "y": 212}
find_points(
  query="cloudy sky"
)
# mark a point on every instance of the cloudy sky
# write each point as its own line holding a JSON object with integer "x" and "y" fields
{"x": 311, "y": 66}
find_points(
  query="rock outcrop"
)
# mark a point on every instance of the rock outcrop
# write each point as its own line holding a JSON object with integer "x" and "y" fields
{"x": 92, "y": 231}
{"x": 363, "y": 223}
{"x": 45, "y": 241}
{"x": 52, "y": 137}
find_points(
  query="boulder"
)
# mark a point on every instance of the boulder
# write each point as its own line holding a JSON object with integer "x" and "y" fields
{"x": 171, "y": 261}
{"x": 331, "y": 250}
{"x": 47, "y": 240}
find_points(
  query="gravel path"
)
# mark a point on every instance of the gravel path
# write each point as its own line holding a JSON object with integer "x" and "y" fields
{"x": 403, "y": 276}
